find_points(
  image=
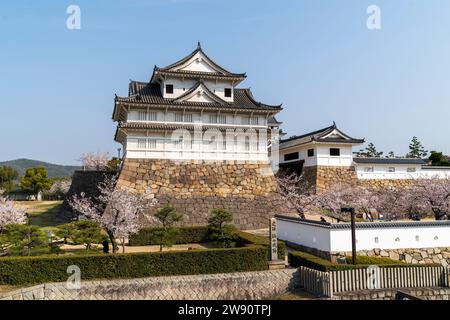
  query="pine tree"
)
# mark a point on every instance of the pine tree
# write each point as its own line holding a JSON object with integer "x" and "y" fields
{"x": 391, "y": 154}
{"x": 416, "y": 149}
{"x": 370, "y": 151}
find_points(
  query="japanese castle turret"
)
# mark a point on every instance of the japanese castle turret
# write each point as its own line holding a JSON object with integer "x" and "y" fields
{"x": 199, "y": 142}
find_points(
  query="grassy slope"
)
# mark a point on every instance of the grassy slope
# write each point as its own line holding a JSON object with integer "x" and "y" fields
{"x": 41, "y": 213}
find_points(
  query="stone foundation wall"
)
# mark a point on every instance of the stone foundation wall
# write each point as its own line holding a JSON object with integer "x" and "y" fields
{"x": 232, "y": 286}
{"x": 389, "y": 294}
{"x": 82, "y": 181}
{"x": 248, "y": 190}
{"x": 324, "y": 177}
{"x": 414, "y": 256}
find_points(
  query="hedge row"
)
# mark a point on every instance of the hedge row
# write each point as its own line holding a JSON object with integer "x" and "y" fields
{"x": 31, "y": 270}
{"x": 146, "y": 236}
{"x": 248, "y": 238}
{"x": 298, "y": 258}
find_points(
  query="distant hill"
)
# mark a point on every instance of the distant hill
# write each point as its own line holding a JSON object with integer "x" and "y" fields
{"x": 53, "y": 170}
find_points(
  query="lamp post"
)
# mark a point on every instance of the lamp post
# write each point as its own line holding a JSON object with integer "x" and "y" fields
{"x": 353, "y": 228}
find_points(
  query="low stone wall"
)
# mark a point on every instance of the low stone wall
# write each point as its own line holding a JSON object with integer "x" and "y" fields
{"x": 234, "y": 286}
{"x": 389, "y": 294}
{"x": 248, "y": 190}
{"x": 414, "y": 256}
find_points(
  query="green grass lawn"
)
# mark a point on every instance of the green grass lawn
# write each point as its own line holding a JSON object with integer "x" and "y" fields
{"x": 42, "y": 213}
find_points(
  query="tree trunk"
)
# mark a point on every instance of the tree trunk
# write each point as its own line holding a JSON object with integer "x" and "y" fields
{"x": 123, "y": 244}
{"x": 112, "y": 239}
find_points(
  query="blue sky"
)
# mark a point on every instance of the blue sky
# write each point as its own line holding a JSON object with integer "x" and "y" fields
{"x": 317, "y": 57}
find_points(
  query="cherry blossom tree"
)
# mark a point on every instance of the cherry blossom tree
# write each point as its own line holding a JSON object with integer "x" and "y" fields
{"x": 304, "y": 198}
{"x": 11, "y": 213}
{"x": 119, "y": 211}
{"x": 296, "y": 191}
{"x": 95, "y": 161}
{"x": 430, "y": 195}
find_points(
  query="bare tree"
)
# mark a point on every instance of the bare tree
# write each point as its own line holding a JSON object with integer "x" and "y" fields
{"x": 117, "y": 209}
{"x": 94, "y": 161}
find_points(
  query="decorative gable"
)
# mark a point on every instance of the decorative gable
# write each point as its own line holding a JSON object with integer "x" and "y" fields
{"x": 198, "y": 63}
{"x": 336, "y": 134}
{"x": 200, "y": 93}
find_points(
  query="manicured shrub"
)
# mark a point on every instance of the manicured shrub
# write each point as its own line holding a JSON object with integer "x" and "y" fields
{"x": 148, "y": 236}
{"x": 221, "y": 230}
{"x": 165, "y": 236}
{"x": 373, "y": 260}
{"x": 246, "y": 238}
{"x": 24, "y": 240}
{"x": 84, "y": 232}
{"x": 31, "y": 270}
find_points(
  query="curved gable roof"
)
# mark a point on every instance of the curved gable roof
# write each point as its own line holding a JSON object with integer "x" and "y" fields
{"x": 219, "y": 71}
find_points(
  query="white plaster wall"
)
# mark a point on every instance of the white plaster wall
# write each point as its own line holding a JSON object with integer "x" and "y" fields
{"x": 181, "y": 86}
{"x": 391, "y": 238}
{"x": 324, "y": 158}
{"x": 306, "y": 235}
{"x": 321, "y": 155}
{"x": 381, "y": 172}
{"x": 169, "y": 118}
{"x": 196, "y": 146}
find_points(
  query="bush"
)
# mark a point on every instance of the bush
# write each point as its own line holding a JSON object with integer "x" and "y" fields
{"x": 298, "y": 258}
{"x": 374, "y": 260}
{"x": 148, "y": 236}
{"x": 220, "y": 229}
{"x": 32, "y": 270}
{"x": 245, "y": 238}
{"x": 24, "y": 240}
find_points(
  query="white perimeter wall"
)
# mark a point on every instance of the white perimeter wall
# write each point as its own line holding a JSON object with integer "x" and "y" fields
{"x": 332, "y": 240}
{"x": 305, "y": 235}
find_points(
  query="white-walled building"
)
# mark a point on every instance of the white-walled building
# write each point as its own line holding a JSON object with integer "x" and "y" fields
{"x": 192, "y": 109}
{"x": 332, "y": 148}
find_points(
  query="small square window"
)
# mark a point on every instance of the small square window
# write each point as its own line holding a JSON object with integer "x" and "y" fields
{"x": 335, "y": 152}
{"x": 368, "y": 169}
{"x": 169, "y": 88}
{"x": 310, "y": 152}
{"x": 411, "y": 169}
{"x": 228, "y": 92}
{"x": 391, "y": 169}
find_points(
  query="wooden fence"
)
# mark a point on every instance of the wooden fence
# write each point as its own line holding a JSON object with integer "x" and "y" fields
{"x": 327, "y": 283}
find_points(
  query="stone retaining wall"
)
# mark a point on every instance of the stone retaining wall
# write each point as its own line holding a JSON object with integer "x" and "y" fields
{"x": 234, "y": 286}
{"x": 324, "y": 177}
{"x": 414, "y": 256}
{"x": 389, "y": 294}
{"x": 248, "y": 189}
{"x": 82, "y": 181}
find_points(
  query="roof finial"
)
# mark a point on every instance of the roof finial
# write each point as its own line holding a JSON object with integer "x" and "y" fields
{"x": 334, "y": 124}
{"x": 199, "y": 46}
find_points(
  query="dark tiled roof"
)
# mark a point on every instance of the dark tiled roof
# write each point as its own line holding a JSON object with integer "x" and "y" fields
{"x": 389, "y": 161}
{"x": 319, "y": 135}
{"x": 196, "y": 74}
{"x": 366, "y": 225}
{"x": 221, "y": 70}
{"x": 150, "y": 93}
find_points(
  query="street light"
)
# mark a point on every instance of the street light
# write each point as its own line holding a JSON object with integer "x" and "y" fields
{"x": 353, "y": 227}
